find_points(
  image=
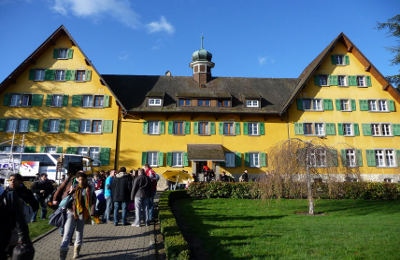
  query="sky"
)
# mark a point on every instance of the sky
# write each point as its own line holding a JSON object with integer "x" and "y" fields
{"x": 274, "y": 39}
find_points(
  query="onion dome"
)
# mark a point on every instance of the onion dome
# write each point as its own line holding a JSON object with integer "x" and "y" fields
{"x": 202, "y": 54}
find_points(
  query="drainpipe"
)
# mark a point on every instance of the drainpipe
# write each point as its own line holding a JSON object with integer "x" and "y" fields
{"x": 287, "y": 124}
{"x": 118, "y": 136}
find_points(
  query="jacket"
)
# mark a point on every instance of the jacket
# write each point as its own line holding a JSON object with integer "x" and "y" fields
{"x": 26, "y": 195}
{"x": 92, "y": 206}
{"x": 107, "y": 188}
{"x": 63, "y": 189}
{"x": 142, "y": 187}
{"x": 47, "y": 186}
{"x": 121, "y": 187}
{"x": 153, "y": 177}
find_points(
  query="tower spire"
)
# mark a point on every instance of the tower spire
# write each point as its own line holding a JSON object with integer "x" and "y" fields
{"x": 202, "y": 41}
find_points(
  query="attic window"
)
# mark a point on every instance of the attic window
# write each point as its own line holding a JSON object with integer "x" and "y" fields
{"x": 155, "y": 102}
{"x": 252, "y": 103}
{"x": 223, "y": 103}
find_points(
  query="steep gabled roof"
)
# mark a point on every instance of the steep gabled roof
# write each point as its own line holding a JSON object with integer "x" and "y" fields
{"x": 39, "y": 51}
{"x": 313, "y": 66}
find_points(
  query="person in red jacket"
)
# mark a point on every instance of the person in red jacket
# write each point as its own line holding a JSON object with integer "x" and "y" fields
{"x": 154, "y": 179}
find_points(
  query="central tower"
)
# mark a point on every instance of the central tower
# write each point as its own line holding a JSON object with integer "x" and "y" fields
{"x": 202, "y": 65}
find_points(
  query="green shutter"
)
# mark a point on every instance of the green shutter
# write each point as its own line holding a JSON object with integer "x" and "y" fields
{"x": 162, "y": 127}
{"x": 30, "y": 149}
{"x": 263, "y": 160}
{"x": 340, "y": 128}
{"x": 247, "y": 159}
{"x": 88, "y": 75}
{"x": 237, "y": 128}
{"x": 299, "y": 103}
{"x": 106, "y": 102}
{"x": 366, "y": 129}
{"x": 343, "y": 157}
{"x": 6, "y": 100}
{"x": 221, "y": 128}
{"x": 328, "y": 104}
{"x": 187, "y": 128}
{"x": 334, "y": 158}
{"x": 33, "y": 125}
{"x": 337, "y": 103}
{"x": 59, "y": 149}
{"x": 222, "y": 164}
{"x": 298, "y": 129}
{"x": 196, "y": 128}
{"x": 169, "y": 159}
{"x": 353, "y": 104}
{"x": 145, "y": 127}
{"x": 71, "y": 150}
{"x": 32, "y": 74}
{"x": 70, "y": 53}
{"x": 369, "y": 84}
{"x": 363, "y": 105}
{"x": 398, "y": 157}
{"x": 48, "y": 100}
{"x": 212, "y": 128}
{"x": 108, "y": 126}
{"x": 316, "y": 80}
{"x": 170, "y": 127}
{"x": 245, "y": 128}
{"x": 370, "y": 153}
{"x": 352, "y": 80}
{"x": 77, "y": 100}
{"x": 45, "y": 127}
{"x": 62, "y": 126}
{"x": 65, "y": 100}
{"x": 49, "y": 75}
{"x": 396, "y": 129}
{"x": 72, "y": 77}
{"x": 347, "y": 59}
{"x": 333, "y": 80}
{"x": 68, "y": 75}
{"x": 330, "y": 129}
{"x": 238, "y": 159}
{"x": 262, "y": 128}
{"x": 42, "y": 149}
{"x": 37, "y": 100}
{"x": 55, "y": 53}
{"x": 160, "y": 159}
{"x": 359, "y": 158}
{"x": 356, "y": 129}
{"x": 74, "y": 125}
{"x": 144, "y": 158}
{"x": 3, "y": 123}
{"x": 105, "y": 156}
{"x": 333, "y": 59}
{"x": 391, "y": 105}
{"x": 185, "y": 160}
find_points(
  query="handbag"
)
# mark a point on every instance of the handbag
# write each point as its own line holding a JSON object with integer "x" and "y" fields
{"x": 66, "y": 202}
{"x": 58, "y": 218}
{"x": 131, "y": 206}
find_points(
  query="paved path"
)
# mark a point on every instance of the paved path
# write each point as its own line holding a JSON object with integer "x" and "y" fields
{"x": 104, "y": 241}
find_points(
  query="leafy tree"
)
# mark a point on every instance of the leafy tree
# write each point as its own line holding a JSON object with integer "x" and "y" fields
{"x": 393, "y": 25}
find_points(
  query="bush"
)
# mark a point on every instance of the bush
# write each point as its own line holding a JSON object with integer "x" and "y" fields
{"x": 176, "y": 246}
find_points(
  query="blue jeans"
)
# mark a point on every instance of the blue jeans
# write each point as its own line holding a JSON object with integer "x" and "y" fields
{"x": 141, "y": 203}
{"x": 43, "y": 207}
{"x": 124, "y": 208}
{"x": 151, "y": 205}
{"x": 107, "y": 213}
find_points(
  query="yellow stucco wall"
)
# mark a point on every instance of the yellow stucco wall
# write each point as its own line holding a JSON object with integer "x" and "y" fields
{"x": 66, "y": 139}
{"x": 360, "y": 117}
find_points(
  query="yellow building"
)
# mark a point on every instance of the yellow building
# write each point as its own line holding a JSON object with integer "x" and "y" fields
{"x": 59, "y": 101}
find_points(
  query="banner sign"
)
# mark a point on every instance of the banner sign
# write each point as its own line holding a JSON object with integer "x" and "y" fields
{"x": 29, "y": 168}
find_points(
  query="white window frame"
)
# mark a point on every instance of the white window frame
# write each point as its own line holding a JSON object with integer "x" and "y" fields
{"x": 63, "y": 72}
{"x": 315, "y": 158}
{"x": 90, "y": 126}
{"x": 87, "y": 152}
{"x": 327, "y": 80}
{"x": 252, "y": 103}
{"x": 151, "y": 163}
{"x": 253, "y": 161}
{"x": 39, "y": 75}
{"x": 382, "y": 128}
{"x": 157, "y": 132}
{"x": 378, "y": 105}
{"x": 50, "y": 149}
{"x": 155, "y": 102}
{"x": 92, "y": 103}
{"x": 364, "y": 79}
{"x": 59, "y": 97}
{"x": 178, "y": 154}
{"x": 313, "y": 106}
{"x": 351, "y": 157}
{"x": 346, "y": 84}
{"x": 230, "y": 163}
{"x": 351, "y": 129}
{"x": 59, "y": 54}
{"x": 383, "y": 161}
{"x": 337, "y": 56}
{"x": 257, "y": 128}
{"x": 343, "y": 101}
{"x": 50, "y": 125}
{"x": 314, "y": 129}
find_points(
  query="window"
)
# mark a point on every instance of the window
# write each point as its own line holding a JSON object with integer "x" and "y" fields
{"x": 230, "y": 160}
{"x": 385, "y": 158}
{"x": 80, "y": 75}
{"x": 85, "y": 126}
{"x": 17, "y": 149}
{"x": 229, "y": 129}
{"x": 23, "y": 125}
{"x": 342, "y": 81}
{"x": 379, "y": 129}
{"x": 314, "y": 129}
{"x": 361, "y": 81}
{"x": 177, "y": 159}
{"x": 93, "y": 101}
{"x": 154, "y": 102}
{"x": 378, "y": 105}
{"x": 94, "y": 153}
{"x": 323, "y": 80}
{"x": 351, "y": 158}
{"x": 152, "y": 158}
{"x": 96, "y": 126}
{"x": 98, "y": 101}
{"x": 60, "y": 75}
{"x": 51, "y": 149}
{"x": 54, "y": 125}
{"x": 319, "y": 129}
{"x": 254, "y": 159}
{"x": 178, "y": 128}
{"x": 252, "y": 103}
{"x": 204, "y": 128}
{"x": 12, "y": 125}
{"x": 203, "y": 103}
{"x": 62, "y": 53}
{"x": 223, "y": 103}
{"x": 347, "y": 129}
{"x": 312, "y": 104}
{"x": 154, "y": 127}
{"x": 340, "y": 60}
{"x": 39, "y": 75}
{"x": 87, "y": 101}
{"x": 345, "y": 105}
{"x": 253, "y": 128}
{"x": 184, "y": 102}
{"x": 318, "y": 158}
{"x": 22, "y": 100}
{"x": 83, "y": 151}
{"x": 56, "y": 100}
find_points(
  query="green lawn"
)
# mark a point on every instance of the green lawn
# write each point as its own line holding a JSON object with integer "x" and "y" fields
{"x": 254, "y": 229}
{"x": 40, "y": 226}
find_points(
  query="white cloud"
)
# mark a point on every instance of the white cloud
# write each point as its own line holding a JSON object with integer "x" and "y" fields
{"x": 119, "y": 9}
{"x": 162, "y": 25}
{"x": 124, "y": 56}
{"x": 262, "y": 60}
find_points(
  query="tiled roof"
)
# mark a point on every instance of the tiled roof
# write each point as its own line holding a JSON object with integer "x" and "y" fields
{"x": 205, "y": 152}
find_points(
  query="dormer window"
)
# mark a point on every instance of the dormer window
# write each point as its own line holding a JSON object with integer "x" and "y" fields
{"x": 155, "y": 102}
{"x": 184, "y": 102}
{"x": 204, "y": 103}
{"x": 223, "y": 103}
{"x": 252, "y": 103}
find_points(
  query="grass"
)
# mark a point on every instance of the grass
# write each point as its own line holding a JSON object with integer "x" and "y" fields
{"x": 40, "y": 226}
{"x": 256, "y": 229}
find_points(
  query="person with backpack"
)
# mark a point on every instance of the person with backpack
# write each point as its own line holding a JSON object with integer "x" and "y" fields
{"x": 42, "y": 189}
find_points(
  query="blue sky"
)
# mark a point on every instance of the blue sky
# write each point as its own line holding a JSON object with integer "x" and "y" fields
{"x": 247, "y": 38}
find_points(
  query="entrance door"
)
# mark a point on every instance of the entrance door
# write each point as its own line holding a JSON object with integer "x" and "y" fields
{"x": 200, "y": 165}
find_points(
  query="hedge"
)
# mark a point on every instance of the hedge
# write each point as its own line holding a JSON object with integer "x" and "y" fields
{"x": 176, "y": 246}
{"x": 295, "y": 190}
